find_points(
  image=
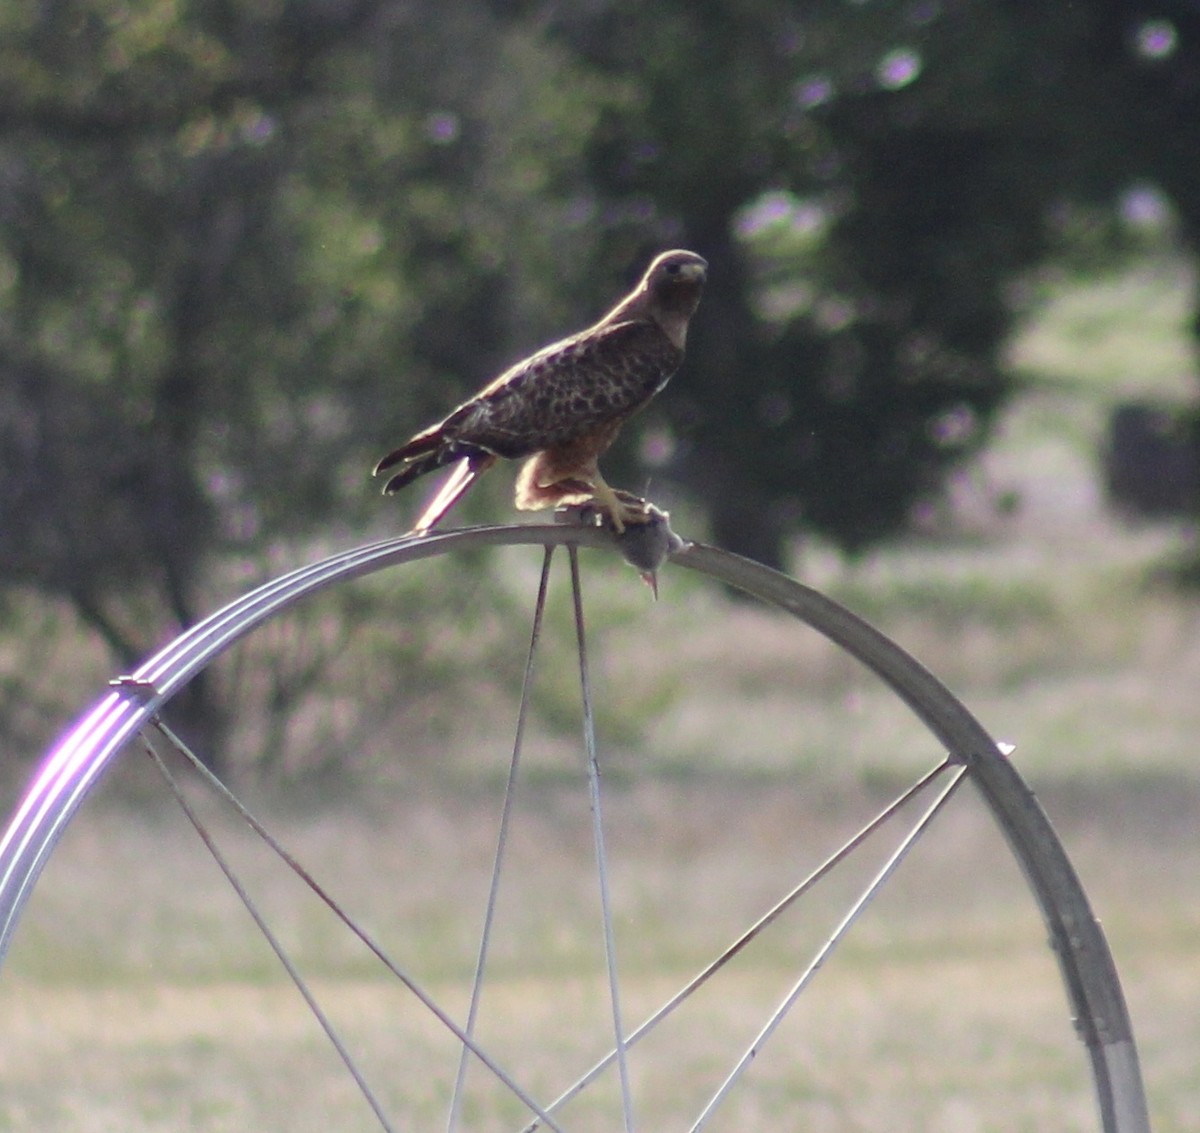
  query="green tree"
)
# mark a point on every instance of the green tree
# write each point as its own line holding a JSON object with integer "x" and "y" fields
{"x": 246, "y": 247}
{"x": 870, "y": 182}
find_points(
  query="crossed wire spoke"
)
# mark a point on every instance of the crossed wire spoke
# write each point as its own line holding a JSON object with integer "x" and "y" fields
{"x": 476, "y": 1060}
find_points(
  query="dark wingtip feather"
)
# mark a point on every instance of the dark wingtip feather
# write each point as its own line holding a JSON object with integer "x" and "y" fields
{"x": 423, "y": 444}
{"x": 408, "y": 454}
{"x": 393, "y": 458}
{"x": 421, "y": 461}
{"x": 401, "y": 480}
{"x": 410, "y": 472}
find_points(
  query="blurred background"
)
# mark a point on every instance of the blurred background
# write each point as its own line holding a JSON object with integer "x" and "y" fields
{"x": 246, "y": 247}
{"x": 945, "y": 369}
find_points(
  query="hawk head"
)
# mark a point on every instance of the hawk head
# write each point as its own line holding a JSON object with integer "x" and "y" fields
{"x": 677, "y": 270}
{"x": 672, "y": 285}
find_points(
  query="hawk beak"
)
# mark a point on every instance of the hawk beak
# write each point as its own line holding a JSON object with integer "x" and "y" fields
{"x": 693, "y": 273}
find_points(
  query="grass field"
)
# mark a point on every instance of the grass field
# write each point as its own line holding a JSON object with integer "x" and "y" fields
{"x": 740, "y": 748}
{"x": 139, "y": 997}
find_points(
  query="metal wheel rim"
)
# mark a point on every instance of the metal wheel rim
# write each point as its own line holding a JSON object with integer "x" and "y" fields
{"x": 1084, "y": 958}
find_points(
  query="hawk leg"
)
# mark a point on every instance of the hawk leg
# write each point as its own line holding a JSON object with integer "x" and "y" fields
{"x": 623, "y": 508}
{"x": 540, "y": 485}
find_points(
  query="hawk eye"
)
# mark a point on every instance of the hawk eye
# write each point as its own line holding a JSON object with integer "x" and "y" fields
{"x": 672, "y": 269}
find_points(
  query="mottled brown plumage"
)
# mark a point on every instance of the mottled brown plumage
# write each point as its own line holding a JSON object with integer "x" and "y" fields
{"x": 561, "y": 408}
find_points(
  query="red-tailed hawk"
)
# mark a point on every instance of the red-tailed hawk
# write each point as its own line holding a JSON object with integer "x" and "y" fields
{"x": 561, "y": 408}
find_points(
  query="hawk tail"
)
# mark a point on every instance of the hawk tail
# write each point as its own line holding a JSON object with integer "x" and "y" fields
{"x": 464, "y": 475}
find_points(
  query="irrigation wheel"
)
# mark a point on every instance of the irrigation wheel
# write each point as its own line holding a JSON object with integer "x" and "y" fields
{"x": 128, "y": 715}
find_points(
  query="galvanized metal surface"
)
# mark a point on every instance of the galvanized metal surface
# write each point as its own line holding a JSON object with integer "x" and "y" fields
{"x": 1086, "y": 963}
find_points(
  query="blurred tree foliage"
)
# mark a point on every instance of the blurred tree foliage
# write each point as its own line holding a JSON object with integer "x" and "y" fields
{"x": 871, "y": 182}
{"x": 247, "y": 244}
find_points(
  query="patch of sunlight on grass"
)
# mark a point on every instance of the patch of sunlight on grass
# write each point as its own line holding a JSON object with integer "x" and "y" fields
{"x": 1116, "y": 336}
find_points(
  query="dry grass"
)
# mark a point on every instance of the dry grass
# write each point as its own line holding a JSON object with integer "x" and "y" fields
{"x": 139, "y": 998}
{"x": 862, "y": 1053}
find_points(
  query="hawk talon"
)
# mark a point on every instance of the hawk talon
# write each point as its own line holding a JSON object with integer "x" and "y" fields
{"x": 580, "y": 515}
{"x": 622, "y": 509}
{"x": 636, "y": 511}
{"x": 644, "y": 545}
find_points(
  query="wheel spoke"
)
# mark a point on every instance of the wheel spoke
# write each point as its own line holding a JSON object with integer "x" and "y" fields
{"x": 269, "y": 936}
{"x": 728, "y": 953}
{"x": 501, "y": 842}
{"x": 827, "y": 948}
{"x": 157, "y": 727}
{"x": 593, "y": 768}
